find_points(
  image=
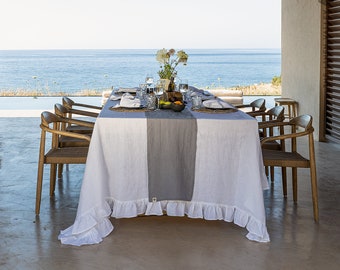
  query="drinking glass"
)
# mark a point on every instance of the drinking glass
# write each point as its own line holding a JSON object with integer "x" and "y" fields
{"x": 159, "y": 90}
{"x": 142, "y": 88}
{"x": 151, "y": 102}
{"x": 196, "y": 102}
{"x": 183, "y": 87}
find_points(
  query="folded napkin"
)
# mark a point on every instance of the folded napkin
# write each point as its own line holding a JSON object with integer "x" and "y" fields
{"x": 129, "y": 101}
{"x": 217, "y": 104}
{"x": 202, "y": 95}
{"x": 127, "y": 90}
{"x": 115, "y": 97}
{"x": 207, "y": 93}
{"x": 207, "y": 97}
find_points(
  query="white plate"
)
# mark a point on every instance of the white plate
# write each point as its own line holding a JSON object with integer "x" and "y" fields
{"x": 217, "y": 104}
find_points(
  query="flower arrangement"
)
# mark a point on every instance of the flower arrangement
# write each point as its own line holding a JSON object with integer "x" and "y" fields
{"x": 168, "y": 63}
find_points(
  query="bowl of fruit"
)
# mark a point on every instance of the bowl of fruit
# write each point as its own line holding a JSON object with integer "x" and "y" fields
{"x": 177, "y": 106}
{"x": 164, "y": 104}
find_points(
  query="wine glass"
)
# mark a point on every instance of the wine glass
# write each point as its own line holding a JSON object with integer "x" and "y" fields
{"x": 183, "y": 87}
{"x": 148, "y": 79}
{"x": 159, "y": 90}
{"x": 149, "y": 82}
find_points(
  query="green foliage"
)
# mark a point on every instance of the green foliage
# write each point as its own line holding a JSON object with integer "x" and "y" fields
{"x": 276, "y": 80}
{"x": 167, "y": 71}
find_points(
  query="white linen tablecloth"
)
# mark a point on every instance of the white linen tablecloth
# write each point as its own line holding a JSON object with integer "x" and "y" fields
{"x": 229, "y": 176}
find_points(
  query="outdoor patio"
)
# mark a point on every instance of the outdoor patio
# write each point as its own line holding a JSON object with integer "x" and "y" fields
{"x": 30, "y": 242}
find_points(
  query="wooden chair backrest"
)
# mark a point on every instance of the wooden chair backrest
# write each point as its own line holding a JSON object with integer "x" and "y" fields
{"x": 67, "y": 102}
{"x": 61, "y": 111}
{"x": 275, "y": 114}
{"x": 70, "y": 104}
{"x": 48, "y": 119}
{"x": 304, "y": 122}
{"x": 259, "y": 104}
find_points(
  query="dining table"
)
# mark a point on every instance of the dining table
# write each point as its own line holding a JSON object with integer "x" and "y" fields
{"x": 200, "y": 163}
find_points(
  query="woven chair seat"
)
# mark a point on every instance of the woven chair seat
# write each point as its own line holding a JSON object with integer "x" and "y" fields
{"x": 67, "y": 155}
{"x": 284, "y": 159}
{"x": 80, "y": 129}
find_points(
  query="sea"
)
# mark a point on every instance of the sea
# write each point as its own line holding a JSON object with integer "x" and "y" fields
{"x": 71, "y": 71}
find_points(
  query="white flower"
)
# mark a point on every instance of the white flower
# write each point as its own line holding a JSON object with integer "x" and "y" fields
{"x": 162, "y": 56}
{"x": 168, "y": 65}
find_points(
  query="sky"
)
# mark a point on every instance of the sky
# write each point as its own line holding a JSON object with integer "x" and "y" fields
{"x": 139, "y": 24}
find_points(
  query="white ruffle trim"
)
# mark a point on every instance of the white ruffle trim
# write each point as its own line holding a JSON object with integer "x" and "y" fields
{"x": 90, "y": 228}
{"x": 211, "y": 211}
{"x": 93, "y": 226}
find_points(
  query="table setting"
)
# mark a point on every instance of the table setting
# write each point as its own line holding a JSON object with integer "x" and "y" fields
{"x": 158, "y": 98}
{"x": 203, "y": 160}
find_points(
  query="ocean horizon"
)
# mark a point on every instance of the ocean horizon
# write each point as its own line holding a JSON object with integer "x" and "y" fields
{"x": 71, "y": 71}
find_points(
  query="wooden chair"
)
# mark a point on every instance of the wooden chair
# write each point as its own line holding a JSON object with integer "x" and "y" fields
{"x": 66, "y": 141}
{"x": 56, "y": 155}
{"x": 292, "y": 106}
{"x": 71, "y": 112}
{"x": 273, "y": 115}
{"x": 89, "y": 111}
{"x": 69, "y": 103}
{"x": 65, "y": 112}
{"x": 300, "y": 126}
{"x": 258, "y": 105}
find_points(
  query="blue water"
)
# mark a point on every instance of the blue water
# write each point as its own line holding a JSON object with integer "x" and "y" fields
{"x": 74, "y": 70}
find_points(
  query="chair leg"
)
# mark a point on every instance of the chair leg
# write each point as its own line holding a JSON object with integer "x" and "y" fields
{"x": 294, "y": 183}
{"x": 53, "y": 174}
{"x": 271, "y": 173}
{"x": 39, "y": 187}
{"x": 314, "y": 192}
{"x": 60, "y": 170}
{"x": 284, "y": 181}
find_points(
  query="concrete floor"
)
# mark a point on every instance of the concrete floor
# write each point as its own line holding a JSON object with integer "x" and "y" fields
{"x": 30, "y": 242}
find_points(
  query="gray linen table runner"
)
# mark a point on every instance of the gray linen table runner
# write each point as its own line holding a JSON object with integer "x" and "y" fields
{"x": 171, "y": 154}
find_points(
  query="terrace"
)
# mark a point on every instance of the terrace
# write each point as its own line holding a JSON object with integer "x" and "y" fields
{"x": 168, "y": 242}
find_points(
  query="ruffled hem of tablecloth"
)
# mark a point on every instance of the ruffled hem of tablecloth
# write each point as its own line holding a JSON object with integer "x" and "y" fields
{"x": 90, "y": 228}
{"x": 212, "y": 211}
{"x": 93, "y": 226}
